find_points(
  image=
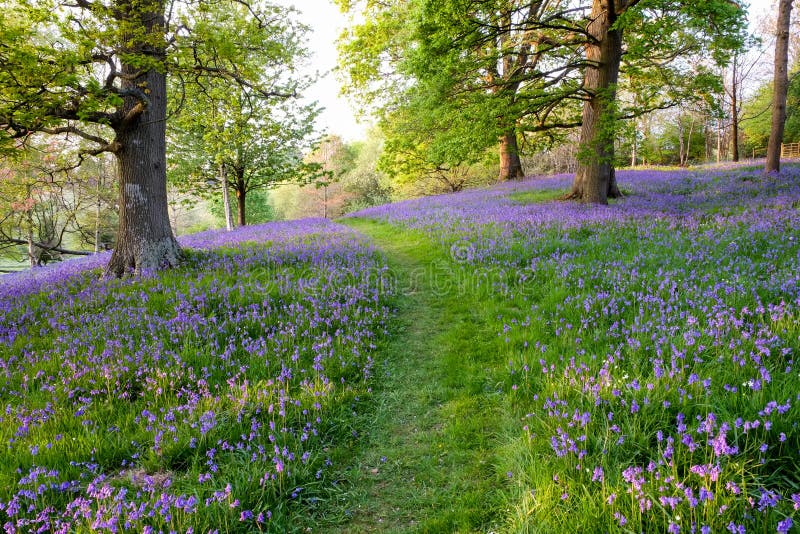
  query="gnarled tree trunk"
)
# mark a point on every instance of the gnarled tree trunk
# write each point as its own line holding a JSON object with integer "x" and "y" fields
{"x": 510, "y": 164}
{"x": 145, "y": 240}
{"x": 780, "y": 87}
{"x": 594, "y": 180}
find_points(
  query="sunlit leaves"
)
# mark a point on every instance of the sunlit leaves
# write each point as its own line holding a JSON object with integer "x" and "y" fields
{"x": 257, "y": 132}
{"x": 453, "y": 75}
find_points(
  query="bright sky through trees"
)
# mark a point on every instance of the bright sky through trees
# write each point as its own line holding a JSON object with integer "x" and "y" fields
{"x": 327, "y": 22}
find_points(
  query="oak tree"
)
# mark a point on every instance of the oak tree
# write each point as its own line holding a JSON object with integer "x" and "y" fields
{"x": 68, "y": 66}
{"x": 666, "y": 51}
{"x": 229, "y": 137}
{"x": 465, "y": 73}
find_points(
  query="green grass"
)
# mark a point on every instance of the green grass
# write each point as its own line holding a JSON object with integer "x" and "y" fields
{"x": 540, "y": 196}
{"x": 460, "y": 425}
{"x": 537, "y": 196}
{"x": 451, "y": 435}
{"x": 426, "y": 461}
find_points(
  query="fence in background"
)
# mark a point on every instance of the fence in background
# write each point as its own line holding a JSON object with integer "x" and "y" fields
{"x": 790, "y": 150}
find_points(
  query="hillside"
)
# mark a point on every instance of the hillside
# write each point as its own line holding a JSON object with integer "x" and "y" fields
{"x": 493, "y": 360}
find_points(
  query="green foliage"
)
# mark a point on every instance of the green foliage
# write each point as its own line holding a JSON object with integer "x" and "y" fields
{"x": 757, "y": 116}
{"x": 347, "y": 177}
{"x": 364, "y": 181}
{"x": 258, "y": 205}
{"x": 662, "y": 145}
{"x": 461, "y": 73}
{"x": 97, "y": 70}
{"x": 447, "y": 101}
{"x": 231, "y": 65}
{"x": 50, "y": 70}
{"x": 257, "y": 135}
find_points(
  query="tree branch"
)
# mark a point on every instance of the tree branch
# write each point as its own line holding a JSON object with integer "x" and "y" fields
{"x": 550, "y": 126}
{"x": 84, "y": 4}
{"x": 225, "y": 73}
{"x": 49, "y": 248}
{"x": 71, "y": 129}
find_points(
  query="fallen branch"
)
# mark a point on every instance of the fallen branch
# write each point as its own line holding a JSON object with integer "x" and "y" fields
{"x": 49, "y": 248}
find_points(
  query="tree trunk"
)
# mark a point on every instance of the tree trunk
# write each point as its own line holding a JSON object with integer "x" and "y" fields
{"x": 780, "y": 87}
{"x": 510, "y": 164}
{"x": 689, "y": 142}
{"x": 594, "y": 180}
{"x": 734, "y": 114}
{"x": 145, "y": 240}
{"x": 32, "y": 259}
{"x": 241, "y": 206}
{"x": 226, "y": 199}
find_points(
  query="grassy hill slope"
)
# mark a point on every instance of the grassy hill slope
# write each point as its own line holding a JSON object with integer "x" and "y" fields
{"x": 548, "y": 366}
{"x": 644, "y": 351}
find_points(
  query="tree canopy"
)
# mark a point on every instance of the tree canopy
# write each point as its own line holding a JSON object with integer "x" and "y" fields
{"x": 229, "y": 136}
{"x": 97, "y": 70}
{"x": 466, "y": 76}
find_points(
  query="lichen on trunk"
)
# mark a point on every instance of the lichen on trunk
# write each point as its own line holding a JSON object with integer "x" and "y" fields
{"x": 145, "y": 240}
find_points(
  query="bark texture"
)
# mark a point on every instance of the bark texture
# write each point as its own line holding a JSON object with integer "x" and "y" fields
{"x": 594, "y": 181}
{"x": 510, "y": 163}
{"x": 226, "y": 200}
{"x": 145, "y": 240}
{"x": 735, "y": 115}
{"x": 241, "y": 207}
{"x": 239, "y": 185}
{"x": 780, "y": 87}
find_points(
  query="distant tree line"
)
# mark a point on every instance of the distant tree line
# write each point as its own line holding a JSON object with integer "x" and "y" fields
{"x": 106, "y": 105}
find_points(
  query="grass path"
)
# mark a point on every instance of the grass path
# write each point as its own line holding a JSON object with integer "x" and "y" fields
{"x": 425, "y": 463}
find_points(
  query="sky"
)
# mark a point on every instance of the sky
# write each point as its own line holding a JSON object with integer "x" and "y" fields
{"x": 327, "y": 23}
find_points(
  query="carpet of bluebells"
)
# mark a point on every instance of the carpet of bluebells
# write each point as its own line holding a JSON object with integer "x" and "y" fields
{"x": 205, "y": 398}
{"x": 649, "y": 347}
